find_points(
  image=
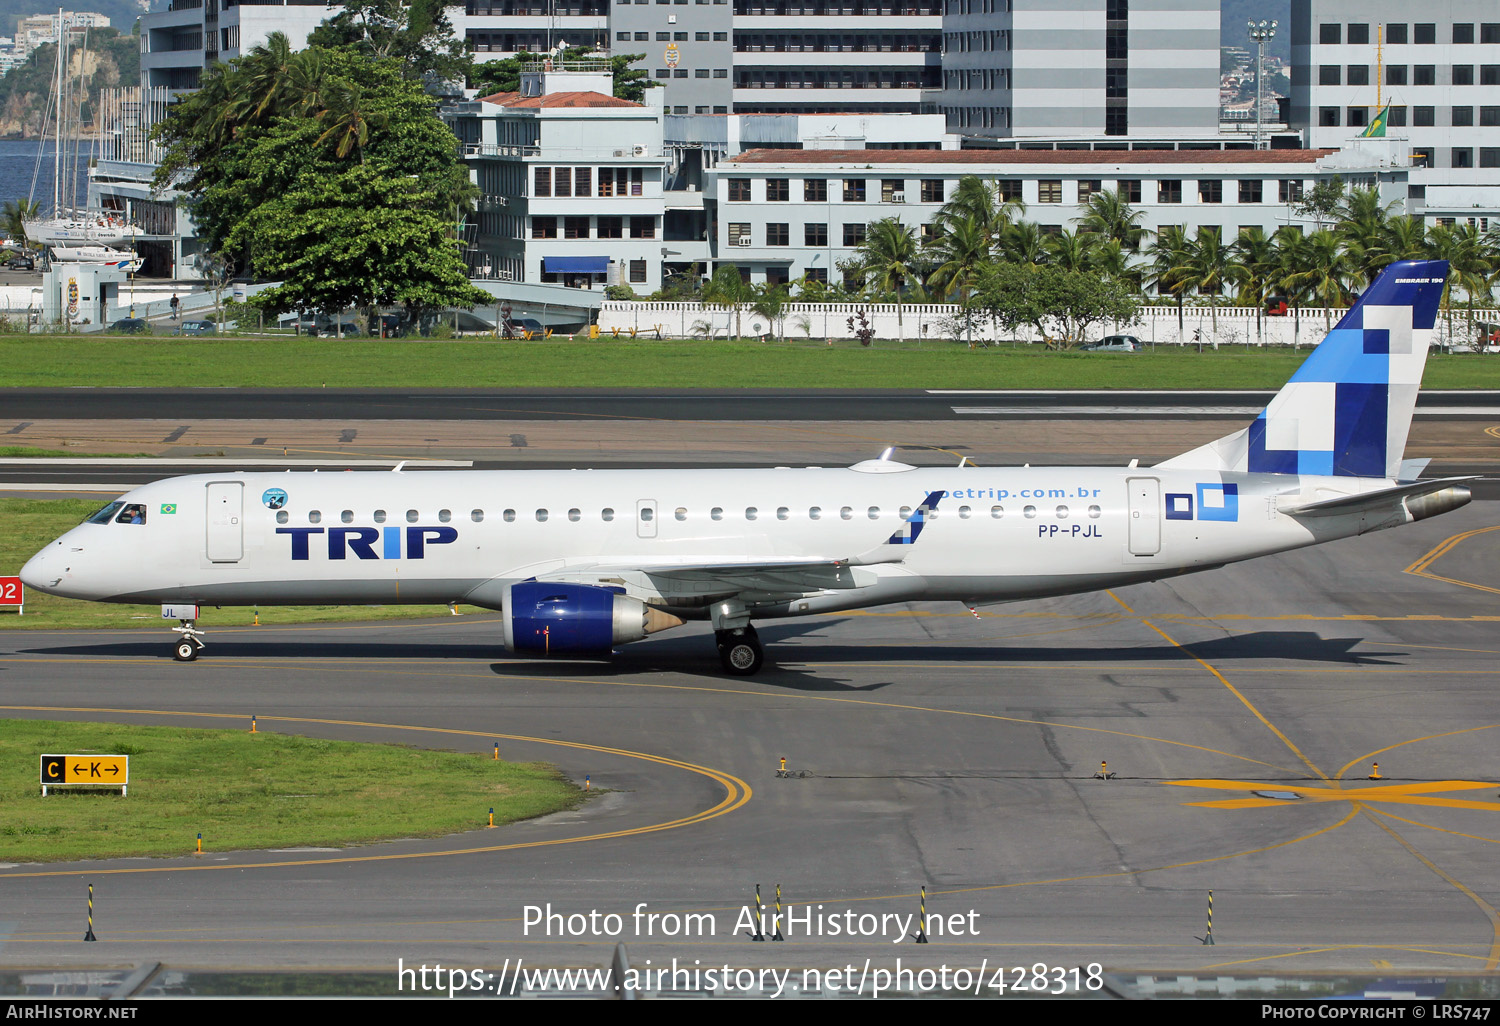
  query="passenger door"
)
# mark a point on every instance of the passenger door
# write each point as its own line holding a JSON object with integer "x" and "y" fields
{"x": 225, "y": 541}
{"x": 1145, "y": 516}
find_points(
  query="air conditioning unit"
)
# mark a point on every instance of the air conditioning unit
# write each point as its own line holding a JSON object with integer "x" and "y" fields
{"x": 640, "y": 151}
{"x": 898, "y": 197}
{"x": 743, "y": 240}
{"x": 621, "y": 153}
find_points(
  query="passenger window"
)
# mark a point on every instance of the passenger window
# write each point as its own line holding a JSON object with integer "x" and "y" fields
{"x": 782, "y": 513}
{"x": 380, "y": 516}
{"x": 997, "y": 512}
{"x": 681, "y": 513}
{"x": 873, "y": 513}
{"x": 1094, "y": 512}
{"x": 751, "y": 513}
{"x": 541, "y": 516}
{"x": 508, "y": 516}
{"x": 347, "y": 516}
{"x": 106, "y": 514}
{"x": 606, "y": 514}
{"x": 281, "y": 516}
{"x": 815, "y": 514}
{"x": 412, "y": 516}
{"x": 717, "y": 513}
{"x": 647, "y": 514}
{"x": 847, "y": 512}
{"x": 314, "y": 517}
{"x": 444, "y": 515}
{"x": 575, "y": 515}
{"x": 477, "y": 516}
{"x": 135, "y": 513}
{"x": 905, "y": 512}
{"x": 1030, "y": 512}
{"x": 963, "y": 512}
{"x": 1062, "y": 512}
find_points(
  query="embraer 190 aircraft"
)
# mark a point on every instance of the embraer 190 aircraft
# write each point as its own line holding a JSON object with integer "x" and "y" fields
{"x": 581, "y": 561}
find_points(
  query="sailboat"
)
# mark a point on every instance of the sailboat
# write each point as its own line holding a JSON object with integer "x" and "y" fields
{"x": 68, "y": 225}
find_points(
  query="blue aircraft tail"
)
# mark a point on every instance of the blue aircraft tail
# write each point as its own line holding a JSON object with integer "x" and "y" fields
{"x": 1347, "y": 410}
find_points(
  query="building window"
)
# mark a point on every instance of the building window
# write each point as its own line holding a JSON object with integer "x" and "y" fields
{"x": 932, "y": 190}
{"x": 1328, "y": 117}
{"x": 1395, "y": 74}
{"x": 1289, "y": 191}
{"x": 637, "y": 272}
{"x": 663, "y": 73}
{"x": 664, "y": 37}
{"x": 1424, "y": 117}
{"x": 611, "y": 227}
{"x": 1169, "y": 191}
{"x": 1250, "y": 190}
{"x": 623, "y": 37}
{"x": 854, "y": 190}
{"x": 700, "y": 72}
{"x": 1328, "y": 74}
{"x": 544, "y": 227}
{"x": 582, "y": 181}
{"x": 575, "y": 227}
{"x": 1424, "y": 34}
{"x": 1463, "y": 117}
{"x": 1463, "y": 32}
{"x": 1358, "y": 74}
{"x": 815, "y": 190}
{"x": 1463, "y": 74}
{"x": 817, "y": 274}
{"x": 1489, "y": 117}
{"x": 854, "y": 234}
{"x": 815, "y": 234}
{"x": 778, "y": 235}
{"x": 1210, "y": 190}
{"x": 739, "y": 235}
{"x": 642, "y": 37}
{"x": 1489, "y": 32}
{"x": 1359, "y": 34}
{"x": 778, "y": 190}
{"x": 1129, "y": 189}
{"x": 1489, "y": 74}
{"x": 1463, "y": 156}
{"x": 892, "y": 190}
{"x": 1049, "y": 190}
{"x": 1357, "y": 117}
{"x": 1423, "y": 156}
{"x": 643, "y": 227}
{"x": 721, "y": 37}
{"x": 739, "y": 190}
{"x": 1397, "y": 117}
{"x": 701, "y": 37}
{"x": 1330, "y": 34}
{"x": 1395, "y": 34}
{"x": 721, "y": 73}
{"x": 1489, "y": 156}
{"x": 541, "y": 182}
{"x": 1421, "y": 74}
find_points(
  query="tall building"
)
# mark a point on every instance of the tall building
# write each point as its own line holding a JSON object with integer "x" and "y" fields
{"x": 179, "y": 42}
{"x": 1038, "y": 68}
{"x": 1436, "y": 66}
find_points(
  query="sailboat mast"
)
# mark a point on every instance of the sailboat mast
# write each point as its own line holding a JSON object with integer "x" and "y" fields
{"x": 57, "y": 129}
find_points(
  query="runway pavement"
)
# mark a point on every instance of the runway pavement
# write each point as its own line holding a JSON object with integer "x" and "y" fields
{"x": 941, "y": 750}
{"x": 1239, "y": 711}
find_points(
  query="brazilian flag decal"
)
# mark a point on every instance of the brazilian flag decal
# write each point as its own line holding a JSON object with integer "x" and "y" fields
{"x": 169, "y": 507}
{"x": 1377, "y": 127}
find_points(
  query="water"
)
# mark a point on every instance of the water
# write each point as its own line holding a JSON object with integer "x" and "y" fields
{"x": 18, "y": 163}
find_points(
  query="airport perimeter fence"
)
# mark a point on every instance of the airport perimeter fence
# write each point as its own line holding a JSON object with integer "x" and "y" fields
{"x": 1155, "y": 325}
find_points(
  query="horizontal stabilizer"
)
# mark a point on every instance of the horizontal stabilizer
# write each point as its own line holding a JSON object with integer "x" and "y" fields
{"x": 1378, "y": 499}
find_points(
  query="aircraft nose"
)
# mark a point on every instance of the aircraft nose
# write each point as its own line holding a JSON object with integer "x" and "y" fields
{"x": 40, "y": 571}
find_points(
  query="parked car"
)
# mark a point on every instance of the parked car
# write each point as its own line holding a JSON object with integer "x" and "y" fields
{"x": 328, "y": 330}
{"x": 523, "y": 327}
{"x": 1114, "y": 344}
{"x": 131, "y": 326}
{"x": 195, "y": 328}
{"x": 389, "y": 326}
{"x": 20, "y": 262}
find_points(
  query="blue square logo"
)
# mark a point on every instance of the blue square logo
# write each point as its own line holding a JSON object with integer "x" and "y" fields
{"x": 1179, "y": 506}
{"x": 1219, "y": 502}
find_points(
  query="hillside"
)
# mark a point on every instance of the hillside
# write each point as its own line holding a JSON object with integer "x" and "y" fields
{"x": 1234, "y": 13}
{"x": 112, "y": 60}
{"x": 121, "y": 13}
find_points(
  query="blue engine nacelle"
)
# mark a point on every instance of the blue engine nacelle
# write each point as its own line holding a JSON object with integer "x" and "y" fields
{"x": 575, "y": 619}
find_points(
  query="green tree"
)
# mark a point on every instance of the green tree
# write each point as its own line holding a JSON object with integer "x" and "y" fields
{"x": 1109, "y": 214}
{"x": 1205, "y": 267}
{"x": 1169, "y": 252}
{"x": 504, "y": 75}
{"x": 1061, "y": 305}
{"x": 417, "y": 33}
{"x": 728, "y": 290}
{"x": 889, "y": 260}
{"x": 16, "y": 214}
{"x": 1253, "y": 271}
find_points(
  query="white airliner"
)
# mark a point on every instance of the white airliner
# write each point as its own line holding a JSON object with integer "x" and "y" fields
{"x": 581, "y": 561}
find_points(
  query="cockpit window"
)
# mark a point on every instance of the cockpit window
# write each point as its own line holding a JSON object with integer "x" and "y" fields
{"x": 133, "y": 513}
{"x": 106, "y": 514}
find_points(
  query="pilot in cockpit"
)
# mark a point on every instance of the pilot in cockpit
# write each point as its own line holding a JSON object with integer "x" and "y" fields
{"x": 133, "y": 513}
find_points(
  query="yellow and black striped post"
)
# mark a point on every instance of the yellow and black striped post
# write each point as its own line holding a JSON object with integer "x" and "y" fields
{"x": 200, "y": 842}
{"x": 90, "y": 935}
{"x": 922, "y": 919}
{"x": 759, "y": 934}
{"x": 252, "y": 723}
{"x": 1208, "y": 937}
{"x": 492, "y": 817}
{"x": 777, "y": 921}
{"x": 1375, "y": 773}
{"x": 497, "y": 751}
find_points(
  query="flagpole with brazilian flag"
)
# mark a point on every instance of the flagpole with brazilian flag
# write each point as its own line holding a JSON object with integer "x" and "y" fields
{"x": 1376, "y": 130}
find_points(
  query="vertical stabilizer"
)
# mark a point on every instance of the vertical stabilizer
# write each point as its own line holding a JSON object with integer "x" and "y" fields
{"x": 1348, "y": 409}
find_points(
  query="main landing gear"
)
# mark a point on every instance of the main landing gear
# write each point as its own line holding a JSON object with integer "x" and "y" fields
{"x": 740, "y": 650}
{"x": 190, "y": 641}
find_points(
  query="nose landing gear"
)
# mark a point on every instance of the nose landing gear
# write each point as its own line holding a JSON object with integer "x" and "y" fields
{"x": 186, "y": 648}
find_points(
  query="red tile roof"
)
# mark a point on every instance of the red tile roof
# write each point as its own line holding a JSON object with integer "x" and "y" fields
{"x": 995, "y": 157}
{"x": 577, "y": 99}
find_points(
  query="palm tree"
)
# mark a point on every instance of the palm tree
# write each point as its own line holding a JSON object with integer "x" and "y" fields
{"x": 1205, "y": 268}
{"x": 1169, "y": 252}
{"x": 770, "y": 302}
{"x": 1072, "y": 251}
{"x": 1293, "y": 257}
{"x": 888, "y": 258}
{"x": 16, "y": 214}
{"x": 1253, "y": 271}
{"x": 1470, "y": 264}
{"x": 728, "y": 289}
{"x": 348, "y": 119}
{"x": 979, "y": 201}
{"x": 1024, "y": 243}
{"x": 1362, "y": 228}
{"x": 1109, "y": 214}
{"x": 959, "y": 254}
{"x": 1326, "y": 273}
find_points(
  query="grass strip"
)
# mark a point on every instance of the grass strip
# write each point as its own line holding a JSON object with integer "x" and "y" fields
{"x": 44, "y": 361}
{"x": 244, "y": 791}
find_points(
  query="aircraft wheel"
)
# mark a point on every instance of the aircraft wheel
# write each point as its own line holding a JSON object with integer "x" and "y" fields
{"x": 741, "y": 652}
{"x": 184, "y": 651}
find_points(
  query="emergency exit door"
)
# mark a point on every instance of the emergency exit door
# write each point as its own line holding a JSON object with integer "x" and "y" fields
{"x": 225, "y": 523}
{"x": 1145, "y": 516}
